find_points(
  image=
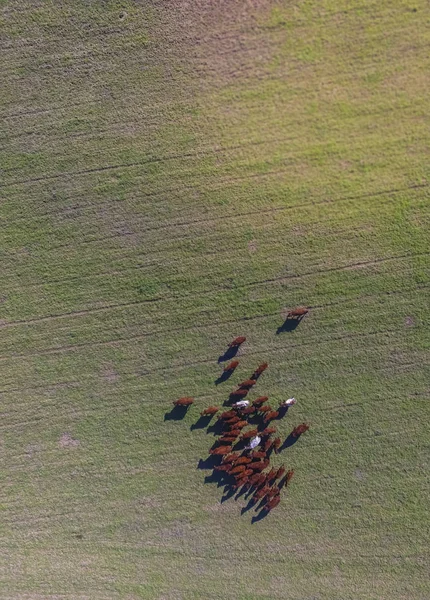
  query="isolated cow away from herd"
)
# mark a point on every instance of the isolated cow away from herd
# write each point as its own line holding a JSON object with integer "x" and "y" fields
{"x": 237, "y": 342}
{"x": 186, "y": 401}
{"x": 298, "y": 313}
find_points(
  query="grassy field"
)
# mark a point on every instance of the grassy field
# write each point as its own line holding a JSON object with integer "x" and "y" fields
{"x": 175, "y": 174}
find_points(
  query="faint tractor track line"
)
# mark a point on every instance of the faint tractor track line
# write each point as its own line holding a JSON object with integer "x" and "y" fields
{"x": 207, "y": 291}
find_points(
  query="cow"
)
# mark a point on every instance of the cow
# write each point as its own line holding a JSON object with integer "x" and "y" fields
{"x": 249, "y": 434}
{"x": 231, "y": 421}
{"x": 288, "y": 402}
{"x": 268, "y": 431}
{"x": 227, "y": 439}
{"x": 186, "y": 401}
{"x": 231, "y": 366}
{"x": 270, "y": 415}
{"x": 240, "y": 482}
{"x": 227, "y": 467}
{"x": 265, "y": 408}
{"x": 260, "y": 400}
{"x": 243, "y": 460}
{"x": 273, "y": 502}
{"x": 241, "y": 424}
{"x": 232, "y": 432}
{"x": 298, "y": 313}
{"x": 268, "y": 444}
{"x": 230, "y": 458}
{"x": 302, "y": 428}
{"x": 260, "y": 493}
{"x": 276, "y": 444}
{"x": 248, "y": 411}
{"x": 271, "y": 475}
{"x": 259, "y": 370}
{"x": 258, "y": 465}
{"x": 248, "y": 472}
{"x": 248, "y": 383}
{"x": 280, "y": 472}
{"x": 254, "y": 443}
{"x": 241, "y": 404}
{"x": 289, "y": 476}
{"x": 228, "y": 414}
{"x": 256, "y": 478}
{"x": 238, "y": 469}
{"x": 211, "y": 410}
{"x": 237, "y": 342}
{"x": 258, "y": 455}
{"x": 220, "y": 450}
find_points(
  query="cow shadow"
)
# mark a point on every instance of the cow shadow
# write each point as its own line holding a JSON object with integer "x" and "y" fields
{"x": 289, "y": 441}
{"x": 290, "y": 324}
{"x": 209, "y": 463}
{"x": 225, "y": 375}
{"x": 201, "y": 423}
{"x": 228, "y": 354}
{"x": 216, "y": 428}
{"x": 176, "y": 414}
{"x": 261, "y": 515}
{"x": 252, "y": 503}
{"x": 283, "y": 410}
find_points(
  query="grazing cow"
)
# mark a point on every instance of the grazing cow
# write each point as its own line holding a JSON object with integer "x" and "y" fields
{"x": 268, "y": 444}
{"x": 298, "y": 313}
{"x": 243, "y": 460}
{"x": 270, "y": 415}
{"x": 227, "y": 467}
{"x": 247, "y": 383}
{"x": 227, "y": 439}
{"x": 241, "y": 424}
{"x": 258, "y": 455}
{"x": 289, "y": 476}
{"x": 254, "y": 443}
{"x": 248, "y": 411}
{"x": 220, "y": 450}
{"x": 260, "y": 369}
{"x": 186, "y": 401}
{"x": 258, "y": 465}
{"x": 265, "y": 408}
{"x": 280, "y": 472}
{"x": 238, "y": 469}
{"x": 276, "y": 444}
{"x": 260, "y": 400}
{"x": 240, "y": 482}
{"x": 268, "y": 431}
{"x": 248, "y": 472}
{"x": 288, "y": 402}
{"x": 249, "y": 434}
{"x": 241, "y": 404}
{"x": 230, "y": 458}
{"x": 256, "y": 478}
{"x": 231, "y": 366}
{"x": 273, "y": 502}
{"x": 228, "y": 414}
{"x": 297, "y": 431}
{"x": 231, "y": 421}
{"x": 232, "y": 433}
{"x": 260, "y": 493}
{"x": 271, "y": 475}
{"x": 211, "y": 410}
{"x": 239, "y": 393}
{"x": 237, "y": 342}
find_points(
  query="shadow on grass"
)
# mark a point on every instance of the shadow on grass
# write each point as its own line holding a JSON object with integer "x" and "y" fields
{"x": 224, "y": 376}
{"x": 216, "y": 428}
{"x": 290, "y": 441}
{"x": 261, "y": 515}
{"x": 209, "y": 463}
{"x": 228, "y": 354}
{"x": 201, "y": 423}
{"x": 290, "y": 324}
{"x": 176, "y": 414}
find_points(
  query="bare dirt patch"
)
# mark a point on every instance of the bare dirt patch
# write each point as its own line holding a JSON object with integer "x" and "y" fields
{"x": 66, "y": 441}
{"x": 252, "y": 246}
{"x": 409, "y": 322}
{"x": 109, "y": 374}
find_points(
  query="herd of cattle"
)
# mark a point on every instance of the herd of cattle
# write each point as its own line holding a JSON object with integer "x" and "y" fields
{"x": 241, "y": 457}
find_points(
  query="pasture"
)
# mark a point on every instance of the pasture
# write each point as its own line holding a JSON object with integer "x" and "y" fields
{"x": 173, "y": 175}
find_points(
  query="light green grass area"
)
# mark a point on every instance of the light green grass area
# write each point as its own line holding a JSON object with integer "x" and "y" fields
{"x": 174, "y": 175}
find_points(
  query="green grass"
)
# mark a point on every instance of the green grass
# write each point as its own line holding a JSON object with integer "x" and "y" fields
{"x": 174, "y": 176}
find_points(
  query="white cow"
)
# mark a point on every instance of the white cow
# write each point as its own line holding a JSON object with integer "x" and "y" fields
{"x": 289, "y": 402}
{"x": 241, "y": 404}
{"x": 253, "y": 443}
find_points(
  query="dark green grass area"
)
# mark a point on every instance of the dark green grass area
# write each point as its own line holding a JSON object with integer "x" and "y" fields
{"x": 174, "y": 175}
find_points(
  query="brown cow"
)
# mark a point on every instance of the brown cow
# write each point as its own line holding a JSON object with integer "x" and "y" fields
{"x": 260, "y": 493}
{"x": 241, "y": 424}
{"x": 265, "y": 408}
{"x": 230, "y": 458}
{"x": 231, "y": 421}
{"x": 302, "y": 428}
{"x": 249, "y": 434}
{"x": 260, "y": 400}
{"x": 228, "y": 414}
{"x": 268, "y": 431}
{"x": 258, "y": 465}
{"x": 260, "y": 368}
{"x": 238, "y": 469}
{"x": 276, "y": 444}
{"x": 248, "y": 411}
{"x": 237, "y": 342}
{"x": 271, "y": 475}
{"x": 268, "y": 444}
{"x": 242, "y": 460}
{"x": 240, "y": 482}
{"x": 248, "y": 472}
{"x": 220, "y": 450}
{"x": 231, "y": 366}
{"x": 210, "y": 410}
{"x": 289, "y": 476}
{"x": 258, "y": 455}
{"x": 256, "y": 478}
{"x": 227, "y": 467}
{"x": 186, "y": 401}
{"x": 273, "y": 502}
{"x": 270, "y": 415}
{"x": 280, "y": 472}
{"x": 227, "y": 439}
{"x": 247, "y": 383}
{"x": 298, "y": 313}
